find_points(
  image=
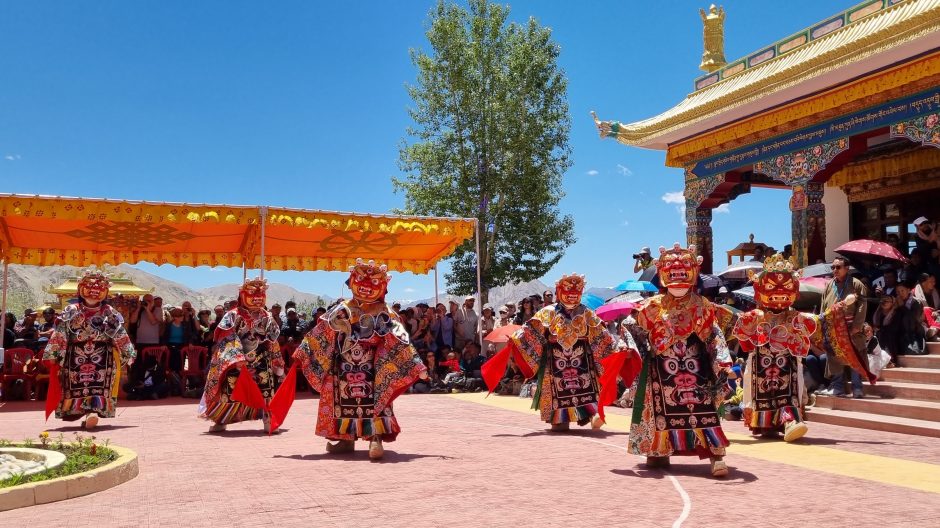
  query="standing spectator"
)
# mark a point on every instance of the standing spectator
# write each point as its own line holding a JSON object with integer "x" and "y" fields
{"x": 503, "y": 317}
{"x": 466, "y": 323}
{"x": 9, "y": 336}
{"x": 642, "y": 260}
{"x": 293, "y": 330}
{"x": 548, "y": 297}
{"x": 276, "y": 315}
{"x": 320, "y": 312}
{"x": 758, "y": 254}
{"x": 219, "y": 311}
{"x": 840, "y": 287}
{"x": 149, "y": 317}
{"x": 787, "y": 251}
{"x": 448, "y": 326}
{"x": 536, "y": 302}
{"x": 926, "y": 241}
{"x": 204, "y": 328}
{"x": 434, "y": 328}
{"x": 525, "y": 311}
{"x": 488, "y": 321}
{"x": 511, "y": 310}
{"x": 176, "y": 335}
{"x": 926, "y": 291}
{"x": 189, "y": 319}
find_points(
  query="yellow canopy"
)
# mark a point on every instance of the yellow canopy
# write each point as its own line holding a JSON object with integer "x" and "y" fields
{"x": 48, "y": 231}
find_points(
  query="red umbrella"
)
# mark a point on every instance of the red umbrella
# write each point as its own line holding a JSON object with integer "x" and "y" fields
{"x": 871, "y": 248}
{"x": 611, "y": 311}
{"x": 501, "y": 334}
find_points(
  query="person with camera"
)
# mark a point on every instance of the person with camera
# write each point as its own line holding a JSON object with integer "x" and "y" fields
{"x": 642, "y": 260}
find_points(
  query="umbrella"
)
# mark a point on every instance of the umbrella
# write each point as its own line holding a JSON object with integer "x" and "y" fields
{"x": 635, "y": 285}
{"x": 648, "y": 274}
{"x": 871, "y": 249}
{"x": 711, "y": 281}
{"x": 611, "y": 311}
{"x": 739, "y": 271}
{"x": 604, "y": 293}
{"x": 822, "y": 270}
{"x": 634, "y": 297}
{"x": 592, "y": 301}
{"x": 501, "y": 334}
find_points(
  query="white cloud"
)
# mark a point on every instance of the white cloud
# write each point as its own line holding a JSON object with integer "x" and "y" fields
{"x": 592, "y": 172}
{"x": 11, "y": 157}
{"x": 625, "y": 223}
{"x": 674, "y": 198}
{"x": 409, "y": 290}
{"x": 723, "y": 208}
{"x": 624, "y": 171}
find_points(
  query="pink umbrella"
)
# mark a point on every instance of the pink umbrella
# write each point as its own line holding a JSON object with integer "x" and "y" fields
{"x": 611, "y": 311}
{"x": 871, "y": 248}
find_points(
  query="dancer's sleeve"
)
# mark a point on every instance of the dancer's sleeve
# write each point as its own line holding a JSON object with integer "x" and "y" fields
{"x": 528, "y": 343}
{"x": 315, "y": 353}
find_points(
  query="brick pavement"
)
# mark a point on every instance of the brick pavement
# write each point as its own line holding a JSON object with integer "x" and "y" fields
{"x": 458, "y": 463}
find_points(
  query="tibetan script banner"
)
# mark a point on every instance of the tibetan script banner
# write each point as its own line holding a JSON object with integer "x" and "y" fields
{"x": 920, "y": 104}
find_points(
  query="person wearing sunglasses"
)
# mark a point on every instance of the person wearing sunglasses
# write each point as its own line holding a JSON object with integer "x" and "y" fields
{"x": 837, "y": 365}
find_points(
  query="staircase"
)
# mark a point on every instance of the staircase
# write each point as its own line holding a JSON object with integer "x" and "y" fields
{"x": 906, "y": 399}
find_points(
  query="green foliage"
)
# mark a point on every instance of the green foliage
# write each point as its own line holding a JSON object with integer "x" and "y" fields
{"x": 490, "y": 141}
{"x": 81, "y": 454}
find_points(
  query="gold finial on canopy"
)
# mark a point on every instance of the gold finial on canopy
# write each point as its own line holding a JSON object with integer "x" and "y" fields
{"x": 714, "y": 36}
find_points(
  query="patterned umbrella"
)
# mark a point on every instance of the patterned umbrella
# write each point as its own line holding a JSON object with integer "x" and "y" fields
{"x": 871, "y": 248}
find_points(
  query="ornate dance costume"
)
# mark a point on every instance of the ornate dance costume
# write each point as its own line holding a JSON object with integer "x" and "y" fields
{"x": 245, "y": 361}
{"x": 573, "y": 357}
{"x": 85, "y": 354}
{"x": 358, "y": 357}
{"x": 777, "y": 337}
{"x": 684, "y": 377}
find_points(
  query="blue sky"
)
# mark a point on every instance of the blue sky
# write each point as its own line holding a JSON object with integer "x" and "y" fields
{"x": 303, "y": 104}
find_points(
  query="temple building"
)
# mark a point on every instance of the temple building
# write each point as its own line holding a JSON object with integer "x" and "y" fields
{"x": 844, "y": 114}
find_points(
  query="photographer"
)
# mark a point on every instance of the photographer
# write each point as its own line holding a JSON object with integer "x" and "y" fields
{"x": 643, "y": 260}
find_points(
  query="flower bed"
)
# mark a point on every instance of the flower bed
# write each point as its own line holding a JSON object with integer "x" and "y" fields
{"x": 82, "y": 454}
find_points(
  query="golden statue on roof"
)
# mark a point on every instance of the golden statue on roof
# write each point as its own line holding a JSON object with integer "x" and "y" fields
{"x": 714, "y": 36}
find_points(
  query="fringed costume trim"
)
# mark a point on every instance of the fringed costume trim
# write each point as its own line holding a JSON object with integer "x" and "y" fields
{"x": 367, "y": 427}
{"x": 574, "y": 414}
{"x": 775, "y": 417}
{"x": 680, "y": 441}
{"x": 233, "y": 412}
{"x": 75, "y": 407}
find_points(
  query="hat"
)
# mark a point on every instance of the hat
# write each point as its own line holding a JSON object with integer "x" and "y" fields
{"x": 722, "y": 290}
{"x": 49, "y": 310}
{"x": 487, "y": 307}
{"x": 469, "y": 298}
{"x": 291, "y": 310}
{"x": 29, "y": 311}
{"x": 920, "y": 220}
{"x": 503, "y": 309}
{"x": 452, "y": 301}
{"x": 644, "y": 249}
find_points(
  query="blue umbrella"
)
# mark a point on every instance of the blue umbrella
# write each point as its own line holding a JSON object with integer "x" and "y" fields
{"x": 635, "y": 285}
{"x": 592, "y": 301}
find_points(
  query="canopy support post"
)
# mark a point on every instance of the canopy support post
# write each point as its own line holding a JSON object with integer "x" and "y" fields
{"x": 436, "y": 301}
{"x": 3, "y": 304}
{"x": 244, "y": 271}
{"x": 264, "y": 220}
{"x": 479, "y": 286}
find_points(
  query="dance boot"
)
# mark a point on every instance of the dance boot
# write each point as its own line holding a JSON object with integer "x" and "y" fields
{"x": 90, "y": 421}
{"x": 654, "y": 462}
{"x": 340, "y": 446}
{"x": 267, "y": 426}
{"x": 794, "y": 431}
{"x": 216, "y": 427}
{"x": 719, "y": 468}
{"x": 376, "y": 451}
{"x": 597, "y": 422}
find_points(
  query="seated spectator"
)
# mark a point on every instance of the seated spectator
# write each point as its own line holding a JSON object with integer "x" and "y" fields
{"x": 814, "y": 367}
{"x": 887, "y": 283}
{"x": 451, "y": 364}
{"x": 511, "y": 383}
{"x": 434, "y": 383}
{"x": 151, "y": 384}
{"x": 204, "y": 329}
{"x": 35, "y": 367}
{"x": 916, "y": 266}
{"x": 887, "y": 325}
{"x": 321, "y": 311}
{"x": 926, "y": 291}
{"x": 46, "y": 327}
{"x": 913, "y": 328}
{"x": 932, "y": 320}
{"x": 27, "y": 331}
{"x": 487, "y": 319}
{"x": 276, "y": 315}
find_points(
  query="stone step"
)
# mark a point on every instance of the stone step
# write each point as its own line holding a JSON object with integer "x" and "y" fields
{"x": 911, "y": 375}
{"x": 918, "y": 410}
{"x": 933, "y": 349}
{"x": 928, "y": 361}
{"x": 874, "y": 422}
{"x": 900, "y": 389}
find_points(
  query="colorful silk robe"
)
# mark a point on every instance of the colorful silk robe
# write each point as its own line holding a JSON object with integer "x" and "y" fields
{"x": 683, "y": 380}
{"x": 88, "y": 348}
{"x": 242, "y": 338}
{"x": 359, "y": 363}
{"x": 565, "y": 350}
{"x": 776, "y": 343}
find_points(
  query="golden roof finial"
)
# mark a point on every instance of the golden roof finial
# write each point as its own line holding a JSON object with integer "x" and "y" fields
{"x": 714, "y": 36}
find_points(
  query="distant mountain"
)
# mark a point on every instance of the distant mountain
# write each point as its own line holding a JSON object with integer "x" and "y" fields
{"x": 28, "y": 284}
{"x": 500, "y": 295}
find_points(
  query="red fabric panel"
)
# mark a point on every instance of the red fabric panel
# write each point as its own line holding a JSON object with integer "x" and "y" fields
{"x": 283, "y": 399}
{"x": 54, "y": 393}
{"x": 247, "y": 392}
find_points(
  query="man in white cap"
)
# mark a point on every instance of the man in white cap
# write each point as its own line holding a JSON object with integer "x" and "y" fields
{"x": 642, "y": 260}
{"x": 926, "y": 240}
{"x": 465, "y": 323}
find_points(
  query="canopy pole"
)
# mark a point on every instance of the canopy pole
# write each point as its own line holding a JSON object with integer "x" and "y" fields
{"x": 3, "y": 304}
{"x": 479, "y": 287}
{"x": 436, "y": 301}
{"x": 264, "y": 220}
{"x": 244, "y": 271}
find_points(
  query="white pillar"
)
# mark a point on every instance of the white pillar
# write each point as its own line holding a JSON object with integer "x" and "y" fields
{"x": 479, "y": 287}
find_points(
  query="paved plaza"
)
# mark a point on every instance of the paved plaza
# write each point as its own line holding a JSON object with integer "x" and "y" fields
{"x": 471, "y": 460}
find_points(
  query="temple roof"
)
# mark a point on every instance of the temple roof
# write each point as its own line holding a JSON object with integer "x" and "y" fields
{"x": 874, "y": 41}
